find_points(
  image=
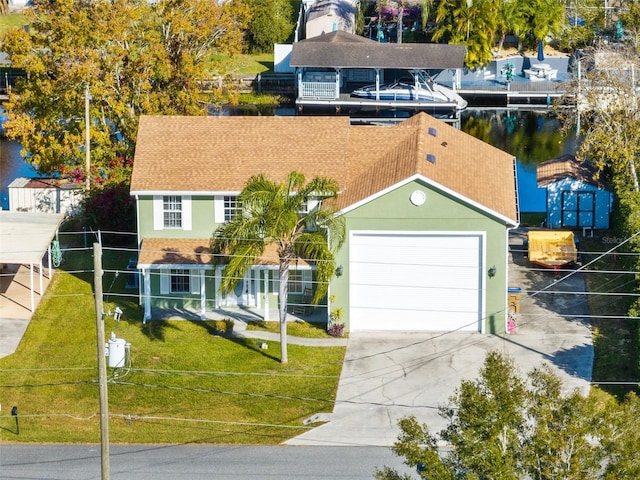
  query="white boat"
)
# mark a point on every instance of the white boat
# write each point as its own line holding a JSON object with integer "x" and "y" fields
{"x": 420, "y": 89}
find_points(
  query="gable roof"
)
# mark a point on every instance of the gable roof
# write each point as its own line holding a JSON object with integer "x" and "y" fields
{"x": 567, "y": 166}
{"x": 345, "y": 50}
{"x": 219, "y": 154}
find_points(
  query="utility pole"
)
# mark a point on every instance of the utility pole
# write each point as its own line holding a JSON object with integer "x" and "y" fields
{"x": 102, "y": 361}
{"x": 87, "y": 138}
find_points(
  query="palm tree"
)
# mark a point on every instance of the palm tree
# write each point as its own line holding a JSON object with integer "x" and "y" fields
{"x": 276, "y": 214}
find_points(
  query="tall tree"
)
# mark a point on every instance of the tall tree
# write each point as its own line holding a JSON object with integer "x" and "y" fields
{"x": 507, "y": 426}
{"x": 545, "y": 18}
{"x": 472, "y": 23}
{"x": 4, "y": 7}
{"x": 138, "y": 57}
{"x": 511, "y": 20}
{"x": 276, "y": 214}
{"x": 271, "y": 22}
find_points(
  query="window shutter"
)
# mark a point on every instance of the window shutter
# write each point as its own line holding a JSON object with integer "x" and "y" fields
{"x": 312, "y": 203}
{"x": 165, "y": 282}
{"x": 158, "y": 213}
{"x": 194, "y": 281}
{"x": 218, "y": 209}
{"x": 186, "y": 212}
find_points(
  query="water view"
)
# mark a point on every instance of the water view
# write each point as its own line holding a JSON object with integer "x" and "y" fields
{"x": 531, "y": 136}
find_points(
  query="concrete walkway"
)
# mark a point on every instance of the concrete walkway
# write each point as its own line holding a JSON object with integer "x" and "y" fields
{"x": 15, "y": 304}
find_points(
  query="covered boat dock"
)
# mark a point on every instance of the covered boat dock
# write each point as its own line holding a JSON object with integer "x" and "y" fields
{"x": 329, "y": 67}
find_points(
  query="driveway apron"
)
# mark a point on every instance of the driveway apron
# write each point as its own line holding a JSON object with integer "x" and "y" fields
{"x": 389, "y": 375}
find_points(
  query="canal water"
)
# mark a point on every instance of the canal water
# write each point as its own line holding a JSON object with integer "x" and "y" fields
{"x": 531, "y": 136}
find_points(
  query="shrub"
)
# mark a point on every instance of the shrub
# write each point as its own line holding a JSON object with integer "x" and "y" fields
{"x": 336, "y": 329}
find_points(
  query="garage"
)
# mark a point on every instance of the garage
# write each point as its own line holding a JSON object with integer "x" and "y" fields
{"x": 420, "y": 281}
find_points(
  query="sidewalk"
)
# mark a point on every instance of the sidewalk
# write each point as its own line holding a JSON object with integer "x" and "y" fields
{"x": 15, "y": 304}
{"x": 240, "y": 330}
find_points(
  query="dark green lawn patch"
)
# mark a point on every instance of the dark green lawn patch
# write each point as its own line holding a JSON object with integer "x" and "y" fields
{"x": 614, "y": 339}
{"x": 185, "y": 384}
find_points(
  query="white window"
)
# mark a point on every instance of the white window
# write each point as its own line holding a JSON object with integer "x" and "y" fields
{"x": 232, "y": 207}
{"x": 172, "y": 211}
{"x": 180, "y": 280}
{"x": 298, "y": 280}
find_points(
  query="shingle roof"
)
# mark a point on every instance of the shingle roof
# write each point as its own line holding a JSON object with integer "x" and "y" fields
{"x": 463, "y": 164}
{"x": 207, "y": 154}
{"x": 219, "y": 154}
{"x": 345, "y": 50}
{"x": 193, "y": 251}
{"x": 567, "y": 166}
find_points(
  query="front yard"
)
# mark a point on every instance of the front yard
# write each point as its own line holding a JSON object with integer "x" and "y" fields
{"x": 185, "y": 384}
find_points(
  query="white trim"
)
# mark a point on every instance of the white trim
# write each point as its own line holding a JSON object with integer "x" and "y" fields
{"x": 203, "y": 296}
{"x": 147, "y": 294}
{"x": 169, "y": 266}
{"x": 436, "y": 185}
{"x": 165, "y": 282}
{"x": 206, "y": 193}
{"x": 158, "y": 217}
{"x": 186, "y": 212}
{"x": 194, "y": 281}
{"x": 218, "y": 209}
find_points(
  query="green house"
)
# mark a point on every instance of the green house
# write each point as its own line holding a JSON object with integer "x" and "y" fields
{"x": 427, "y": 210}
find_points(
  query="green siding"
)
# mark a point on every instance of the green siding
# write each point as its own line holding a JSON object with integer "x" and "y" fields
{"x": 202, "y": 219}
{"x": 394, "y": 211}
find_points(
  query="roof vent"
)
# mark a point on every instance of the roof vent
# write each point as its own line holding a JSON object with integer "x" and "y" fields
{"x": 431, "y": 158}
{"x": 433, "y": 132}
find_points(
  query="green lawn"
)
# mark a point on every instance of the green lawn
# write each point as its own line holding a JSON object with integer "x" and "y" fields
{"x": 614, "y": 340}
{"x": 11, "y": 21}
{"x": 185, "y": 385}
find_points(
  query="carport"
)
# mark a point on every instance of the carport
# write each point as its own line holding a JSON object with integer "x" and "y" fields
{"x": 25, "y": 238}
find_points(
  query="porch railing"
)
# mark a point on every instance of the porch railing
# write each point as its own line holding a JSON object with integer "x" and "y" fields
{"x": 318, "y": 90}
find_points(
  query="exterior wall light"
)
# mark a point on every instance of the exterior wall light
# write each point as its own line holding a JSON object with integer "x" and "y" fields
{"x": 492, "y": 271}
{"x": 339, "y": 271}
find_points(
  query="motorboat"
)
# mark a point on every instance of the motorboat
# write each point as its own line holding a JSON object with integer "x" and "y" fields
{"x": 419, "y": 89}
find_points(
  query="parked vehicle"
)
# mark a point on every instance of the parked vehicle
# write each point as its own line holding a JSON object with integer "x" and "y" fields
{"x": 420, "y": 89}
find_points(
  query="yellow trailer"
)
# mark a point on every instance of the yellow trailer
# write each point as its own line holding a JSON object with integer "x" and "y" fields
{"x": 552, "y": 248}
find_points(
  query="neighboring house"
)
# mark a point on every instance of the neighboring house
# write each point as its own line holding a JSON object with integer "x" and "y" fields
{"x": 325, "y": 16}
{"x": 427, "y": 210}
{"x": 44, "y": 195}
{"x": 575, "y": 198}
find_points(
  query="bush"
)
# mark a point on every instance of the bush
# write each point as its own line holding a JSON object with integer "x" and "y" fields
{"x": 336, "y": 329}
{"x": 223, "y": 326}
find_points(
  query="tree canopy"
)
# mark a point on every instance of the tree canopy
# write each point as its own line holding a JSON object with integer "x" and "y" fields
{"x": 282, "y": 215}
{"x": 509, "y": 426}
{"x": 137, "y": 57}
{"x": 271, "y": 22}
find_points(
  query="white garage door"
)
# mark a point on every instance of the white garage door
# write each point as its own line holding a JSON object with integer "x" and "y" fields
{"x": 415, "y": 281}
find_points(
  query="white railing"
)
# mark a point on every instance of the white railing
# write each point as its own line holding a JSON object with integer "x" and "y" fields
{"x": 318, "y": 90}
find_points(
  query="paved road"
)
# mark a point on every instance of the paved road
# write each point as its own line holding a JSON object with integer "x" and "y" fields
{"x": 158, "y": 462}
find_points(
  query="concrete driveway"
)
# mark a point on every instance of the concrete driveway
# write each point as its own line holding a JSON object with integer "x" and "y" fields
{"x": 390, "y": 375}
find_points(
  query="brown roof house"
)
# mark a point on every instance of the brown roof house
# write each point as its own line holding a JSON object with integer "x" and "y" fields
{"x": 427, "y": 209}
{"x": 576, "y": 198}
